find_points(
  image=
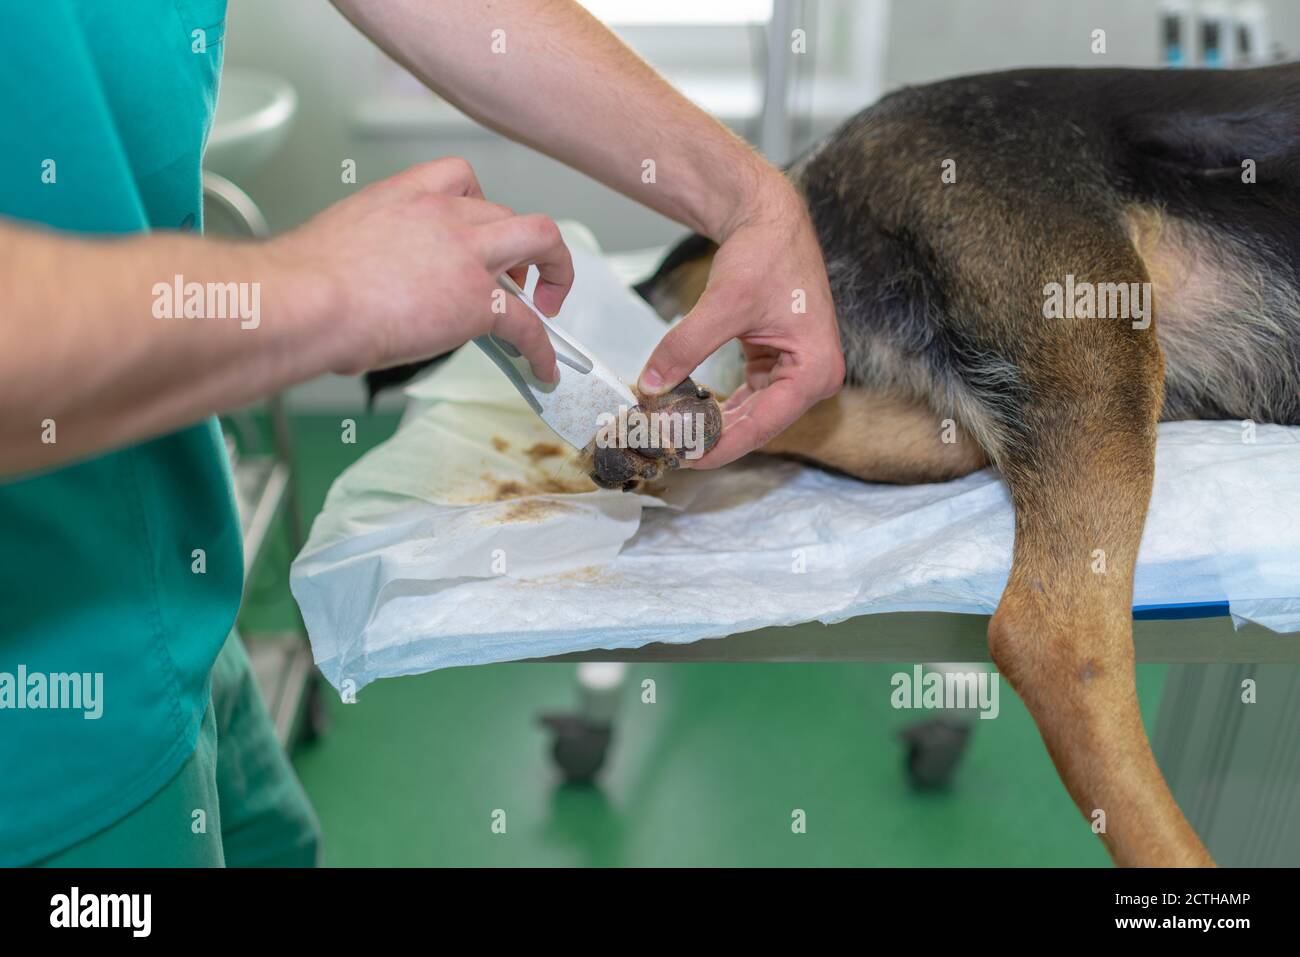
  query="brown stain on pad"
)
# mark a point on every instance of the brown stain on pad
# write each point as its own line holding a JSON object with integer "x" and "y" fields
{"x": 523, "y": 503}
{"x": 543, "y": 485}
{"x": 583, "y": 575}
{"x": 542, "y": 450}
{"x": 546, "y": 471}
{"x": 508, "y": 490}
{"x": 528, "y": 510}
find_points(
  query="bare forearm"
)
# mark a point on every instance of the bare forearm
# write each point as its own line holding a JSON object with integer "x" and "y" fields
{"x": 118, "y": 340}
{"x": 89, "y": 347}
{"x": 568, "y": 87}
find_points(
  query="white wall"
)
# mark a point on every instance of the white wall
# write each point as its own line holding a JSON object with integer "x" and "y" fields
{"x": 940, "y": 38}
{"x": 338, "y": 74}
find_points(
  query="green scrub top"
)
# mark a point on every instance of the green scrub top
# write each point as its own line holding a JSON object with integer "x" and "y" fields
{"x": 105, "y": 107}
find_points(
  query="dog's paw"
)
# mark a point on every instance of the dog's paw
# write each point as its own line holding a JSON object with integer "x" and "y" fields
{"x": 656, "y": 437}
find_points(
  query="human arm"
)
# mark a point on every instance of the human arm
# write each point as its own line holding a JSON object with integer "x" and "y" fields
{"x": 566, "y": 86}
{"x": 404, "y": 269}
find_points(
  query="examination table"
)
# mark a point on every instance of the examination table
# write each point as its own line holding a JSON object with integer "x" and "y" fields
{"x": 466, "y": 539}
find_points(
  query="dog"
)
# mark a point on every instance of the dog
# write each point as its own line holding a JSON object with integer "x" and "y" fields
{"x": 1030, "y": 269}
{"x": 1043, "y": 264}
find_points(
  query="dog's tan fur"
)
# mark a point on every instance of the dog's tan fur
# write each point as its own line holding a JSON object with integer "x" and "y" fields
{"x": 880, "y": 438}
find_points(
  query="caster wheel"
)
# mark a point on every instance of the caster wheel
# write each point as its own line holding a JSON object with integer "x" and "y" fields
{"x": 579, "y": 747}
{"x": 934, "y": 749}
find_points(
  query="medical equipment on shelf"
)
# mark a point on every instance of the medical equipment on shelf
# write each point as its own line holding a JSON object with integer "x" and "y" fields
{"x": 1175, "y": 32}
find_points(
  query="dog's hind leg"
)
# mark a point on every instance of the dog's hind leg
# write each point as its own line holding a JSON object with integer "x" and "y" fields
{"x": 880, "y": 437}
{"x": 1080, "y": 473}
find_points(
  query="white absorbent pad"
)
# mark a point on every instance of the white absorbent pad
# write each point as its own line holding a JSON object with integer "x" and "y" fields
{"x": 466, "y": 539}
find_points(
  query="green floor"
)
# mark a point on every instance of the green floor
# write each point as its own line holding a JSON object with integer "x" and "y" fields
{"x": 413, "y": 773}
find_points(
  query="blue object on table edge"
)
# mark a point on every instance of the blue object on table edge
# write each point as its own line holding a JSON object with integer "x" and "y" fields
{"x": 1190, "y": 609}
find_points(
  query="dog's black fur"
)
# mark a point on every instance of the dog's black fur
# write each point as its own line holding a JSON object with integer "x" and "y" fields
{"x": 1046, "y": 152}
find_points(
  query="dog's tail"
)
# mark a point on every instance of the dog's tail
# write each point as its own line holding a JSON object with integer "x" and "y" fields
{"x": 680, "y": 279}
{"x": 378, "y": 380}
{"x": 1222, "y": 118}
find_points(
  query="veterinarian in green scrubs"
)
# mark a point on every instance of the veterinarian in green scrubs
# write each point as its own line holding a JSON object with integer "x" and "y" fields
{"x": 131, "y": 732}
{"x": 96, "y": 573}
